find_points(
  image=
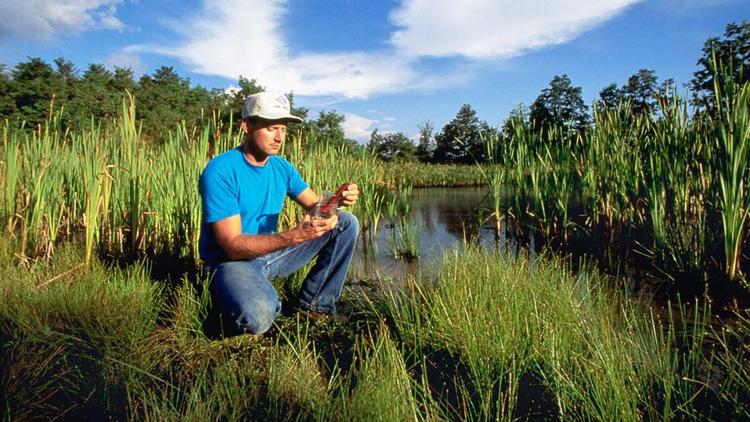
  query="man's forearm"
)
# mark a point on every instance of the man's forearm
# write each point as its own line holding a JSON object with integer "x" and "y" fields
{"x": 246, "y": 246}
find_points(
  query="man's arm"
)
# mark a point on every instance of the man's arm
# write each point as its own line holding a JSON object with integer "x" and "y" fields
{"x": 307, "y": 199}
{"x": 236, "y": 245}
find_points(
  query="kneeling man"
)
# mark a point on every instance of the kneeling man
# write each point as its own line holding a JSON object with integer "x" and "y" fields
{"x": 242, "y": 193}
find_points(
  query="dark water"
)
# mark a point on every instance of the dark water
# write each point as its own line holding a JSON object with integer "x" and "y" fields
{"x": 443, "y": 219}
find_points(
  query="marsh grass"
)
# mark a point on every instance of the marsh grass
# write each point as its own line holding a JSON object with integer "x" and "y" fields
{"x": 70, "y": 336}
{"x": 97, "y": 341}
{"x": 731, "y": 132}
{"x": 404, "y": 238}
{"x": 598, "y": 353}
{"x": 384, "y": 389}
{"x": 675, "y": 182}
{"x": 670, "y": 175}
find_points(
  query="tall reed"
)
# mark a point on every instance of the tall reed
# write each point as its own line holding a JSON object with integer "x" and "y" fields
{"x": 731, "y": 132}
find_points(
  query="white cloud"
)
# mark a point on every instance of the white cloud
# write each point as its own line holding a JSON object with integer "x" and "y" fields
{"x": 238, "y": 37}
{"x": 41, "y": 19}
{"x": 358, "y": 127}
{"x": 246, "y": 37}
{"x": 494, "y": 28}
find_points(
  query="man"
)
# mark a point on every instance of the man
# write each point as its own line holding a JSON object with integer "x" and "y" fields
{"x": 242, "y": 192}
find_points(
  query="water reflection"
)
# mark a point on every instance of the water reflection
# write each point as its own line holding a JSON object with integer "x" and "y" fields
{"x": 445, "y": 218}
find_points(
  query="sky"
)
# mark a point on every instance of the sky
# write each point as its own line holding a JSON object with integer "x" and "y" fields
{"x": 390, "y": 65}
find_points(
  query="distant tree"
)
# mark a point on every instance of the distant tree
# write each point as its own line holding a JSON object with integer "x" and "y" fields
{"x": 560, "y": 104}
{"x": 328, "y": 128}
{"x": 34, "y": 87}
{"x": 67, "y": 75}
{"x": 609, "y": 97}
{"x": 732, "y": 50}
{"x": 394, "y": 146}
{"x": 641, "y": 90}
{"x": 122, "y": 80}
{"x": 162, "y": 101}
{"x": 7, "y": 105}
{"x": 199, "y": 105}
{"x": 94, "y": 98}
{"x": 463, "y": 139}
{"x": 517, "y": 118}
{"x": 426, "y": 146}
{"x": 328, "y": 125}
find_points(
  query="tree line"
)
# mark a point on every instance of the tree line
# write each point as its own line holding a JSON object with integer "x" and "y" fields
{"x": 32, "y": 90}
{"x": 561, "y": 105}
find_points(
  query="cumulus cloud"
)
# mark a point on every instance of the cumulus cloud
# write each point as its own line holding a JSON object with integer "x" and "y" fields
{"x": 358, "y": 127}
{"x": 221, "y": 42}
{"x": 246, "y": 37}
{"x": 494, "y": 28}
{"x": 40, "y": 20}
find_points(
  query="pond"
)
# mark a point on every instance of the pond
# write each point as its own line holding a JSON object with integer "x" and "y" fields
{"x": 442, "y": 219}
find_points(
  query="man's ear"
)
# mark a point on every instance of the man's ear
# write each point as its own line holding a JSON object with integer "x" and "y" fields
{"x": 245, "y": 126}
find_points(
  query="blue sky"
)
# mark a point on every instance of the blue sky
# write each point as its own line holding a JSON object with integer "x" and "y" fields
{"x": 388, "y": 65}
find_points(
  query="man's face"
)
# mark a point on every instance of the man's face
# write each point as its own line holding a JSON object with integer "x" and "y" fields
{"x": 267, "y": 136}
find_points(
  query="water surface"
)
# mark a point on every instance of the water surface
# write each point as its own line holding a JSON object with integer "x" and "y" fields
{"x": 443, "y": 218}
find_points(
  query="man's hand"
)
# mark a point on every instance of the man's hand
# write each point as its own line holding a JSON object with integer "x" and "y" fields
{"x": 310, "y": 228}
{"x": 350, "y": 196}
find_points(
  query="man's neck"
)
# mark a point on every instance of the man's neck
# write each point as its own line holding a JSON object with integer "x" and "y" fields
{"x": 256, "y": 158}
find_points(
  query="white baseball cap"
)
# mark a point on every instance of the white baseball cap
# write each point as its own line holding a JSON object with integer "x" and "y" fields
{"x": 268, "y": 106}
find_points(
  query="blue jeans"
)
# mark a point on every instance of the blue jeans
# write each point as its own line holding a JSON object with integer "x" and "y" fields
{"x": 243, "y": 293}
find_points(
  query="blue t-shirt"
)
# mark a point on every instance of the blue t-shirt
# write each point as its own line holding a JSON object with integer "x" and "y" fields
{"x": 229, "y": 185}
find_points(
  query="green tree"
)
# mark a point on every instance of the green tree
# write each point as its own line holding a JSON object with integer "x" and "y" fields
{"x": 518, "y": 116}
{"x": 393, "y": 146}
{"x": 328, "y": 128}
{"x": 34, "y": 87}
{"x": 162, "y": 101}
{"x": 642, "y": 90}
{"x": 328, "y": 125}
{"x": 7, "y": 105}
{"x": 560, "y": 104}
{"x": 609, "y": 97}
{"x": 463, "y": 139}
{"x": 426, "y": 145}
{"x": 122, "y": 81}
{"x": 67, "y": 75}
{"x": 94, "y": 98}
{"x": 732, "y": 50}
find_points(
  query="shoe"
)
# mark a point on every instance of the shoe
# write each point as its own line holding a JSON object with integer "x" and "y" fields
{"x": 324, "y": 316}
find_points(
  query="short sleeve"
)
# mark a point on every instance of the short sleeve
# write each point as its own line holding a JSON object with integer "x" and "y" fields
{"x": 219, "y": 195}
{"x": 295, "y": 184}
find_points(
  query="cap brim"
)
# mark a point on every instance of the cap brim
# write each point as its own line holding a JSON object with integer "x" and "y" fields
{"x": 285, "y": 117}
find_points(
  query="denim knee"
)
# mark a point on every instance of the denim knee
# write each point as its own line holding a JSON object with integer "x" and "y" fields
{"x": 245, "y": 296}
{"x": 257, "y": 316}
{"x": 348, "y": 222}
